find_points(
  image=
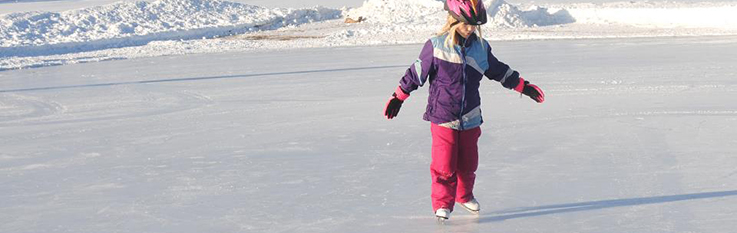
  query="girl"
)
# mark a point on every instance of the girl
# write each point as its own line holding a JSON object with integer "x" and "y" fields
{"x": 453, "y": 62}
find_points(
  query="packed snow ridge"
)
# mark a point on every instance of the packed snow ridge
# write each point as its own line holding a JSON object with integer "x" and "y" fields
{"x": 127, "y": 24}
{"x": 501, "y": 13}
{"x": 137, "y": 23}
{"x": 149, "y": 28}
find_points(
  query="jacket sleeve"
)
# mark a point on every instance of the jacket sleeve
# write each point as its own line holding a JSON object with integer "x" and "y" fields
{"x": 420, "y": 71}
{"x": 501, "y": 72}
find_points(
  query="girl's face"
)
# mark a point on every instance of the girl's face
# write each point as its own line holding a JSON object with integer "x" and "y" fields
{"x": 465, "y": 30}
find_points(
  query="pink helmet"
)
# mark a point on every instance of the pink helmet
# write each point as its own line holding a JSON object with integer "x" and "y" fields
{"x": 471, "y": 12}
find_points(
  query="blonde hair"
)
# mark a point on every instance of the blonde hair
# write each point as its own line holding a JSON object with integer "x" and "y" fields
{"x": 451, "y": 28}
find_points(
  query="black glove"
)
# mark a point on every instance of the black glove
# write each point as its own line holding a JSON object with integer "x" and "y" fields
{"x": 533, "y": 92}
{"x": 392, "y": 107}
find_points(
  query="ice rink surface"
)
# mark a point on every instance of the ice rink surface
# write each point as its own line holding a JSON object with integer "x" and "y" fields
{"x": 636, "y": 135}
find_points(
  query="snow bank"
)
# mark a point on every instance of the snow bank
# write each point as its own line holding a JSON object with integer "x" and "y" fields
{"x": 137, "y": 23}
{"x": 501, "y": 13}
{"x": 717, "y": 15}
{"x": 407, "y": 12}
{"x": 664, "y": 14}
{"x": 413, "y": 21}
{"x": 166, "y": 27}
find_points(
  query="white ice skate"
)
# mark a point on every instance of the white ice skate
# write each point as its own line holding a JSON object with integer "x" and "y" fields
{"x": 472, "y": 206}
{"x": 442, "y": 214}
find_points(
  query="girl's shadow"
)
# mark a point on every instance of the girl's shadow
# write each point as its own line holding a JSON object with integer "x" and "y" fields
{"x": 594, "y": 205}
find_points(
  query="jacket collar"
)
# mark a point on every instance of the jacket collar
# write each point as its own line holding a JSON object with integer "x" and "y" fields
{"x": 467, "y": 42}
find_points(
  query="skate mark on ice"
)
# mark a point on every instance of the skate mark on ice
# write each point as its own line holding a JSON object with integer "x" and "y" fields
{"x": 15, "y": 107}
{"x": 139, "y": 103}
{"x": 198, "y": 78}
{"x": 596, "y": 205}
{"x": 639, "y": 115}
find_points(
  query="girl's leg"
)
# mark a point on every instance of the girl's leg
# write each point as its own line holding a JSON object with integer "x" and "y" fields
{"x": 468, "y": 162}
{"x": 443, "y": 166}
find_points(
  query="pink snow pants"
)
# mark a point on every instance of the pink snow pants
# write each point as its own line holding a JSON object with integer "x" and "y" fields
{"x": 455, "y": 158}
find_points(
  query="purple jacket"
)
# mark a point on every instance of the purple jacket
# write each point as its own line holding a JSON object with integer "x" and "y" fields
{"x": 454, "y": 74}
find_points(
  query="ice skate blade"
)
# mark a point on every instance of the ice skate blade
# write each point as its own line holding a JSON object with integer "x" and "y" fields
{"x": 441, "y": 220}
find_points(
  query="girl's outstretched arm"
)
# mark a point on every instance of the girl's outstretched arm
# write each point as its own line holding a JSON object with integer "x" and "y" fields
{"x": 501, "y": 72}
{"x": 415, "y": 77}
{"x": 511, "y": 79}
{"x": 417, "y": 74}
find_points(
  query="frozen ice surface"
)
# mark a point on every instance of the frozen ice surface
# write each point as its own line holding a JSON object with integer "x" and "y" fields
{"x": 636, "y": 135}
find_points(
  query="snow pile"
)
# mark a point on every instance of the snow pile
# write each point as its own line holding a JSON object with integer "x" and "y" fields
{"x": 501, "y": 14}
{"x": 134, "y": 29}
{"x": 399, "y": 12}
{"x": 413, "y": 21}
{"x": 137, "y": 23}
{"x": 718, "y": 15}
